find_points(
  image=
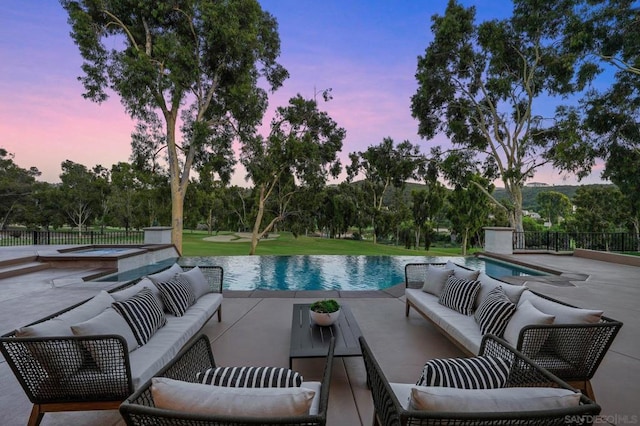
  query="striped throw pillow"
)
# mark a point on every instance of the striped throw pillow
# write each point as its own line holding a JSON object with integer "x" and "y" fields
{"x": 250, "y": 377}
{"x": 481, "y": 372}
{"x": 459, "y": 294}
{"x": 143, "y": 313}
{"x": 494, "y": 312}
{"x": 177, "y": 295}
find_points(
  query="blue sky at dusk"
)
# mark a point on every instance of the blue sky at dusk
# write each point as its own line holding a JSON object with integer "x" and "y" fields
{"x": 365, "y": 50}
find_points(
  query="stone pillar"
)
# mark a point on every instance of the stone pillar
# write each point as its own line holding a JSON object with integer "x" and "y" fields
{"x": 498, "y": 239}
{"x": 157, "y": 235}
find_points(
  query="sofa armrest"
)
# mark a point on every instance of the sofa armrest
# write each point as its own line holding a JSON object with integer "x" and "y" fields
{"x": 570, "y": 351}
{"x": 213, "y": 274}
{"x": 64, "y": 369}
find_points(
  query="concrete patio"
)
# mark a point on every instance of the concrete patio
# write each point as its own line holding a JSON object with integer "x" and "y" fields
{"x": 256, "y": 326}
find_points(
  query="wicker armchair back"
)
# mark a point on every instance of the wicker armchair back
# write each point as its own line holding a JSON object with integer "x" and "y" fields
{"x": 524, "y": 373}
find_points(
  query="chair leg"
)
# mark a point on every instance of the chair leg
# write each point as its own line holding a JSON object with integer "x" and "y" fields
{"x": 406, "y": 309}
{"x": 36, "y": 415}
{"x": 220, "y": 313}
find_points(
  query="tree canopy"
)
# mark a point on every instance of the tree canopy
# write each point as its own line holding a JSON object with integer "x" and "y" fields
{"x": 480, "y": 83}
{"x": 195, "y": 61}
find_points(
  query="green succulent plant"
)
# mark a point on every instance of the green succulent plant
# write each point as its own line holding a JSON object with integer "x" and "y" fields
{"x": 326, "y": 306}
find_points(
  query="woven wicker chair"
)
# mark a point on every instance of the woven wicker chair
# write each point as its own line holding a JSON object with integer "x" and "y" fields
{"x": 139, "y": 408}
{"x": 524, "y": 373}
{"x": 573, "y": 352}
{"x": 77, "y": 391}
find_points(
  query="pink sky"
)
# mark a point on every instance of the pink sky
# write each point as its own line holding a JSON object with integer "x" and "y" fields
{"x": 365, "y": 51}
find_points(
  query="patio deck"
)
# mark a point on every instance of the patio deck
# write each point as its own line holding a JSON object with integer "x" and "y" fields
{"x": 256, "y": 327}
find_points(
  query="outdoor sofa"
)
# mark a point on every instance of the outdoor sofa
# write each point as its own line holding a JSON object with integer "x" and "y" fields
{"x": 568, "y": 341}
{"x": 527, "y": 385}
{"x": 140, "y": 408}
{"x": 88, "y": 356}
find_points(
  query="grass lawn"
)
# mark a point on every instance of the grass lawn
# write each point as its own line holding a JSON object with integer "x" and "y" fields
{"x": 194, "y": 244}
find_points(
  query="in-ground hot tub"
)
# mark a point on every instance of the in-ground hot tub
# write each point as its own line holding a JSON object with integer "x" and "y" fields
{"x": 109, "y": 259}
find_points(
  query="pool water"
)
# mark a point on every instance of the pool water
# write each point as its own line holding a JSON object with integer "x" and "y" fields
{"x": 334, "y": 272}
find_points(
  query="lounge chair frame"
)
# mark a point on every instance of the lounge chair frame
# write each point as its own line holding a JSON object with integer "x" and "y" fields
{"x": 139, "y": 408}
{"x": 524, "y": 373}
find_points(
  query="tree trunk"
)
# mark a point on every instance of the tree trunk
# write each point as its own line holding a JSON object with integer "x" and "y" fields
{"x": 178, "y": 183}
{"x": 258, "y": 222}
{"x": 465, "y": 238}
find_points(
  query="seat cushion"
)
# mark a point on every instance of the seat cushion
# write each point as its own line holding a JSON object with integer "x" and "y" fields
{"x": 494, "y": 312}
{"x": 504, "y": 400}
{"x": 459, "y": 295}
{"x": 196, "y": 398}
{"x": 250, "y": 377}
{"x": 482, "y": 372}
{"x": 143, "y": 313}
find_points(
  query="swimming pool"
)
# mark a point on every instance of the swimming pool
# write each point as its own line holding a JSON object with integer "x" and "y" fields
{"x": 334, "y": 272}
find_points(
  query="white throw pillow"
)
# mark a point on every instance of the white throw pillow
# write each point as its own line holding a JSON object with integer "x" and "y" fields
{"x": 129, "y": 292}
{"x": 435, "y": 279}
{"x": 88, "y": 309}
{"x": 488, "y": 283}
{"x": 196, "y": 398}
{"x": 108, "y": 322}
{"x": 526, "y": 314}
{"x": 462, "y": 273}
{"x": 167, "y": 274}
{"x": 500, "y": 400}
{"x": 198, "y": 281}
{"x": 564, "y": 314}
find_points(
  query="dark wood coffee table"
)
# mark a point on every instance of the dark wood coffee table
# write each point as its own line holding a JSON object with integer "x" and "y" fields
{"x": 309, "y": 340}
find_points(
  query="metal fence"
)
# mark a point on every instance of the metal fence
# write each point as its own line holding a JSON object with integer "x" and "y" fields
{"x": 18, "y": 237}
{"x": 568, "y": 241}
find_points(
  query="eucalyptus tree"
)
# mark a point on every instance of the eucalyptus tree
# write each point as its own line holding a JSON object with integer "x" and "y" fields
{"x": 384, "y": 166}
{"x": 484, "y": 85}
{"x": 426, "y": 204}
{"x": 16, "y": 187}
{"x": 553, "y": 205}
{"x": 80, "y": 192}
{"x": 198, "y": 61}
{"x": 300, "y": 151}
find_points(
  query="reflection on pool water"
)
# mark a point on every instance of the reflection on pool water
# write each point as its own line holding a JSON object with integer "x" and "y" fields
{"x": 334, "y": 272}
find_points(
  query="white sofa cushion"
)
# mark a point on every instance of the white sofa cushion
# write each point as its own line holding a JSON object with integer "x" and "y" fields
{"x": 502, "y": 400}
{"x": 167, "y": 274}
{"x": 131, "y": 291}
{"x": 198, "y": 281}
{"x": 462, "y": 273}
{"x": 165, "y": 344}
{"x": 88, "y": 309}
{"x": 564, "y": 314}
{"x": 526, "y": 314}
{"x": 435, "y": 279}
{"x": 108, "y": 322}
{"x": 196, "y": 398}
{"x": 488, "y": 283}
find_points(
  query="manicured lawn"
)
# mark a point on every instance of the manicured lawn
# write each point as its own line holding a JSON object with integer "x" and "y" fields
{"x": 194, "y": 245}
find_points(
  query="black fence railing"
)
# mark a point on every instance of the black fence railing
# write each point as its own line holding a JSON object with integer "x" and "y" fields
{"x": 568, "y": 241}
{"x": 19, "y": 237}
